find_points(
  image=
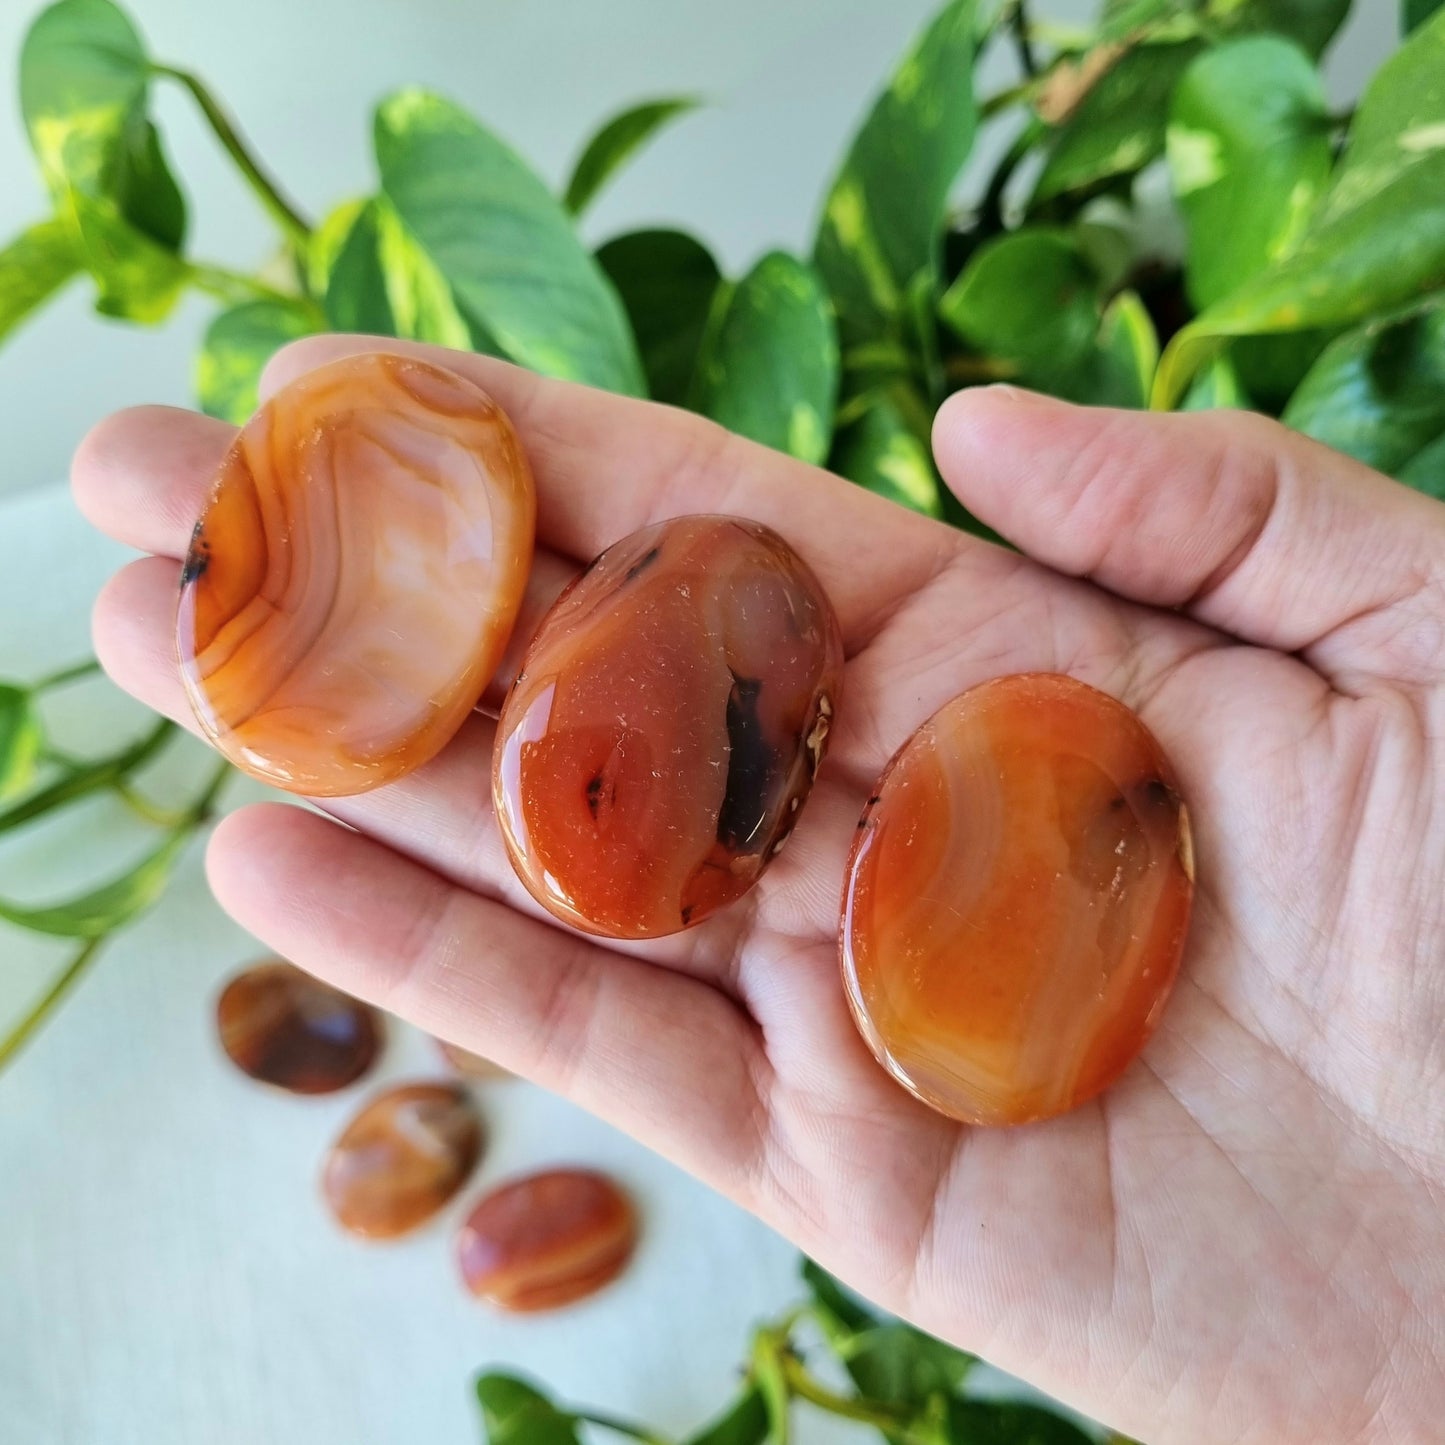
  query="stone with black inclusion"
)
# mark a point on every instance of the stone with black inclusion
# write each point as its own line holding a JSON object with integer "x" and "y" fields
{"x": 666, "y": 726}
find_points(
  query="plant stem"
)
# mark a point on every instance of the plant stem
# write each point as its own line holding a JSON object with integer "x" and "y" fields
{"x": 1001, "y": 100}
{"x": 620, "y": 1427}
{"x": 66, "y": 674}
{"x": 990, "y": 208}
{"x": 148, "y": 811}
{"x": 21, "y": 1034}
{"x": 88, "y": 778}
{"x": 1019, "y": 25}
{"x": 286, "y": 216}
{"x": 865, "y": 1412}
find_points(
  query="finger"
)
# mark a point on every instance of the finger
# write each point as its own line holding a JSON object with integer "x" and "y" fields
{"x": 606, "y": 465}
{"x": 141, "y": 475}
{"x": 1246, "y": 525}
{"x": 666, "y": 1058}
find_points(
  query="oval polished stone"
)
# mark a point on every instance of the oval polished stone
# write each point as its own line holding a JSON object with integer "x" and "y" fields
{"x": 666, "y": 726}
{"x": 285, "y": 1028}
{"x": 547, "y": 1240}
{"x": 355, "y": 574}
{"x": 1016, "y": 900}
{"x": 401, "y": 1159}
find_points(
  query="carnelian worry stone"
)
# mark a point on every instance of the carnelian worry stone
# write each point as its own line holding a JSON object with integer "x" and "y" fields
{"x": 547, "y": 1240}
{"x": 285, "y": 1028}
{"x": 355, "y": 574}
{"x": 666, "y": 727}
{"x": 1016, "y": 900}
{"x": 403, "y": 1157}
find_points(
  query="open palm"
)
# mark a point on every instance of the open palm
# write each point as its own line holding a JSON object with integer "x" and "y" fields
{"x": 1244, "y": 1240}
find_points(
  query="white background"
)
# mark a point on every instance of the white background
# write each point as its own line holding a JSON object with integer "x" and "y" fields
{"x": 167, "y": 1276}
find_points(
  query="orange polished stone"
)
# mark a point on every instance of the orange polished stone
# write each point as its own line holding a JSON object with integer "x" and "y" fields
{"x": 283, "y": 1027}
{"x": 1016, "y": 900}
{"x": 401, "y": 1159}
{"x": 355, "y": 574}
{"x": 547, "y": 1240}
{"x": 667, "y": 724}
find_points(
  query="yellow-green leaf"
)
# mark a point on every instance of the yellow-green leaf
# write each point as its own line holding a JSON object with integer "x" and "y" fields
{"x": 1377, "y": 239}
{"x": 33, "y": 267}
{"x": 503, "y": 243}
{"x": 881, "y": 452}
{"x": 237, "y": 346}
{"x": 1249, "y": 155}
{"x": 882, "y": 220}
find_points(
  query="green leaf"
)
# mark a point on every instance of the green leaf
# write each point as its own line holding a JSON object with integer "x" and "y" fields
{"x": 383, "y": 283}
{"x": 516, "y": 1413}
{"x": 104, "y": 909}
{"x": 667, "y": 281}
{"x": 1414, "y": 13}
{"x": 618, "y": 139}
{"x": 33, "y": 267}
{"x": 832, "y": 1296}
{"x": 744, "y": 1422}
{"x": 238, "y": 344}
{"x": 327, "y": 239}
{"x": 1425, "y": 471}
{"x": 20, "y": 740}
{"x": 882, "y": 221}
{"x": 1000, "y": 1422}
{"x": 1028, "y": 299}
{"x": 1119, "y": 125}
{"x": 136, "y": 278}
{"x": 1271, "y": 367}
{"x": 1217, "y": 386}
{"x": 1310, "y": 23}
{"x": 768, "y": 368}
{"x": 83, "y": 73}
{"x": 1249, "y": 155}
{"x": 1377, "y": 239}
{"x": 881, "y": 452}
{"x": 1378, "y": 392}
{"x": 503, "y": 243}
{"x": 903, "y": 1367}
{"x": 1118, "y": 370}
{"x": 144, "y": 187}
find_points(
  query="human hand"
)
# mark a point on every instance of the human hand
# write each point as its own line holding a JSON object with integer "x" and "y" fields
{"x": 1244, "y": 1239}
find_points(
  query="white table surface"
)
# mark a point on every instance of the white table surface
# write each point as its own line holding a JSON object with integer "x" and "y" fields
{"x": 167, "y": 1273}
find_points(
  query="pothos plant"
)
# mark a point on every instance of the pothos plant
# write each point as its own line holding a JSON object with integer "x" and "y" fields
{"x": 1304, "y": 277}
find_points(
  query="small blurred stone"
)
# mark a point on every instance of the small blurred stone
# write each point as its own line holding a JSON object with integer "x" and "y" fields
{"x": 470, "y": 1065}
{"x": 402, "y": 1159}
{"x": 285, "y": 1028}
{"x": 547, "y": 1239}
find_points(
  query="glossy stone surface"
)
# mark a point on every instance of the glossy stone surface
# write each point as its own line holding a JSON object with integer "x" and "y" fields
{"x": 667, "y": 724}
{"x": 285, "y": 1028}
{"x": 1017, "y": 899}
{"x": 401, "y": 1159}
{"x": 355, "y": 574}
{"x": 547, "y": 1240}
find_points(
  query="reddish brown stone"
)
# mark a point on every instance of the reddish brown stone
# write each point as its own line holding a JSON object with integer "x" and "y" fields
{"x": 401, "y": 1159}
{"x": 1017, "y": 900}
{"x": 470, "y": 1065}
{"x": 667, "y": 724}
{"x": 285, "y": 1028}
{"x": 547, "y": 1240}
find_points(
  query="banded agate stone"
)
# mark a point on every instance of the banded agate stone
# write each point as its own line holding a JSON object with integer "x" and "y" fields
{"x": 666, "y": 726}
{"x": 282, "y": 1027}
{"x": 1016, "y": 900}
{"x": 547, "y": 1240}
{"x": 401, "y": 1159}
{"x": 355, "y": 574}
